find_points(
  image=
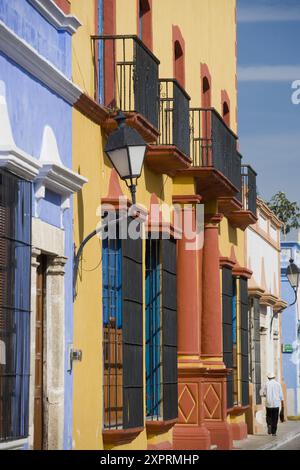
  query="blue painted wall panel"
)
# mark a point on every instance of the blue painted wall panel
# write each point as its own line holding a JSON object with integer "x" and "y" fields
{"x": 31, "y": 107}
{"x": 28, "y": 24}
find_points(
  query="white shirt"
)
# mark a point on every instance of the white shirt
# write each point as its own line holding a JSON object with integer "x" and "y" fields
{"x": 273, "y": 393}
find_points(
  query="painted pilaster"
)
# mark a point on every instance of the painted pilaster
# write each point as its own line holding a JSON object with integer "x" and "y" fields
{"x": 55, "y": 353}
{"x": 190, "y": 432}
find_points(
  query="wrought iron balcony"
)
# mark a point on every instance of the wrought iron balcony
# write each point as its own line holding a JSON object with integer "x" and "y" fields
{"x": 249, "y": 192}
{"x": 126, "y": 76}
{"x": 174, "y": 115}
{"x": 172, "y": 152}
{"x": 214, "y": 150}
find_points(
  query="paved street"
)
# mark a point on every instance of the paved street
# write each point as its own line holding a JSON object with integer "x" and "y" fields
{"x": 292, "y": 445}
{"x": 288, "y": 438}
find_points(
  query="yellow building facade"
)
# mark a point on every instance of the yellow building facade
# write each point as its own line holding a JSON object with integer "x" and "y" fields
{"x": 194, "y": 44}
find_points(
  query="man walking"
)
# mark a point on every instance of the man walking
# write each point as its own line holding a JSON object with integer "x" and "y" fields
{"x": 274, "y": 398}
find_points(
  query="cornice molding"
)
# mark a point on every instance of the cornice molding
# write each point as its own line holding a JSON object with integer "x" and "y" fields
{"x": 268, "y": 299}
{"x": 30, "y": 60}
{"x": 256, "y": 291}
{"x": 18, "y": 162}
{"x": 55, "y": 16}
{"x": 60, "y": 179}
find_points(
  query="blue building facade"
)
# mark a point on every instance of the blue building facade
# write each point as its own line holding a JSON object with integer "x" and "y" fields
{"x": 36, "y": 260}
{"x": 291, "y": 331}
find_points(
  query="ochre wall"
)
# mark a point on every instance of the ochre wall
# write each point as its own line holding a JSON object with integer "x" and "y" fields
{"x": 209, "y": 34}
{"x": 208, "y": 28}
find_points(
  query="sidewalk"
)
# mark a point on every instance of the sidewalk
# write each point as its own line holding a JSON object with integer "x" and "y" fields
{"x": 285, "y": 433}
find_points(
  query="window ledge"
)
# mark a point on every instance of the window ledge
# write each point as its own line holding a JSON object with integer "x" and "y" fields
{"x": 160, "y": 427}
{"x": 55, "y": 16}
{"x": 238, "y": 409}
{"x": 18, "y": 162}
{"x": 13, "y": 445}
{"x": 120, "y": 436}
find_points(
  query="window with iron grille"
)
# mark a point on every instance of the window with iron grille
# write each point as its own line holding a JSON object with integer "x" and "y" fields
{"x": 153, "y": 331}
{"x": 123, "y": 333}
{"x": 234, "y": 340}
{"x": 112, "y": 334}
{"x": 15, "y": 254}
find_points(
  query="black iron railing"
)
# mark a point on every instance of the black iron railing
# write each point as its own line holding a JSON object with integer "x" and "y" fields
{"x": 214, "y": 145}
{"x": 126, "y": 75}
{"x": 249, "y": 191}
{"x": 174, "y": 115}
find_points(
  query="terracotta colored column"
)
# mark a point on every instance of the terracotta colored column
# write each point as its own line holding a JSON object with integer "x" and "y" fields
{"x": 188, "y": 293}
{"x": 190, "y": 433}
{"x": 214, "y": 379}
{"x": 212, "y": 312}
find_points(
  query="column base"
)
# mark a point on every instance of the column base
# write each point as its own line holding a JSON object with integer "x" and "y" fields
{"x": 221, "y": 434}
{"x": 239, "y": 431}
{"x": 191, "y": 438}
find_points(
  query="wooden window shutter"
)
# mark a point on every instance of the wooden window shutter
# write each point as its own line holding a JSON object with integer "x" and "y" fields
{"x": 244, "y": 341}
{"x": 169, "y": 336}
{"x": 132, "y": 307}
{"x": 257, "y": 366}
{"x": 227, "y": 330}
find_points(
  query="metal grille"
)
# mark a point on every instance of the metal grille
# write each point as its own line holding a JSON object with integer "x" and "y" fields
{"x": 214, "y": 145}
{"x": 126, "y": 74}
{"x": 153, "y": 331}
{"x": 174, "y": 116}
{"x": 244, "y": 341}
{"x": 112, "y": 334}
{"x": 227, "y": 330}
{"x": 249, "y": 190}
{"x": 15, "y": 253}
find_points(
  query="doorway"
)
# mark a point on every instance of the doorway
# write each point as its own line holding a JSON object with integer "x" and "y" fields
{"x": 38, "y": 437}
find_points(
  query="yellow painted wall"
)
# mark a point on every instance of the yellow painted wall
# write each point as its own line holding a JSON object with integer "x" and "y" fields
{"x": 204, "y": 31}
{"x": 209, "y": 30}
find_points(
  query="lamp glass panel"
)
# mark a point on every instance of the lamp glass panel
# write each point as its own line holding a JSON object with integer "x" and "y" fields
{"x": 136, "y": 155}
{"x": 293, "y": 279}
{"x": 119, "y": 158}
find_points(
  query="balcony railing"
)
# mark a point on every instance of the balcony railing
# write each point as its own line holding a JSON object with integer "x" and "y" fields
{"x": 174, "y": 115}
{"x": 126, "y": 75}
{"x": 249, "y": 192}
{"x": 214, "y": 145}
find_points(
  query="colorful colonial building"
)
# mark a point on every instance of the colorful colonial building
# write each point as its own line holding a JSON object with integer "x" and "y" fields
{"x": 36, "y": 232}
{"x": 291, "y": 331}
{"x": 266, "y": 310}
{"x": 172, "y": 70}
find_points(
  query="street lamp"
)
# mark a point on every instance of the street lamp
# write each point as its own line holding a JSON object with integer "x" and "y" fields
{"x": 126, "y": 150}
{"x": 293, "y": 275}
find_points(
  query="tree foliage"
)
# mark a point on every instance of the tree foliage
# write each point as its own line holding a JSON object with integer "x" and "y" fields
{"x": 287, "y": 212}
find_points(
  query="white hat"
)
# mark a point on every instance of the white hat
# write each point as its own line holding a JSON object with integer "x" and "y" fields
{"x": 271, "y": 375}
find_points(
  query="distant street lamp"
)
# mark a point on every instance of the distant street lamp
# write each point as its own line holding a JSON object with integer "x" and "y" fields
{"x": 126, "y": 150}
{"x": 293, "y": 275}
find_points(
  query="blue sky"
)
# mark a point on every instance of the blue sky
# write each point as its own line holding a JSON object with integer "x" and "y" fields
{"x": 268, "y": 63}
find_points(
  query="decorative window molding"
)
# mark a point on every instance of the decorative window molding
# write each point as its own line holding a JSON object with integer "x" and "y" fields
{"x": 53, "y": 175}
{"x": 18, "y": 162}
{"x": 49, "y": 10}
{"x": 14, "y": 445}
{"x": 60, "y": 179}
{"x": 30, "y": 60}
{"x": 12, "y": 158}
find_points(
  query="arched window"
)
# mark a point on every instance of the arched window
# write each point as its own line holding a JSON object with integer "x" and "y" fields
{"x": 179, "y": 63}
{"x": 179, "y": 56}
{"x": 145, "y": 22}
{"x": 225, "y": 103}
{"x": 206, "y": 92}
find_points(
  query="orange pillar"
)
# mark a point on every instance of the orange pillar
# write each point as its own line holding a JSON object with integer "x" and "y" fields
{"x": 214, "y": 379}
{"x": 190, "y": 433}
{"x": 212, "y": 311}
